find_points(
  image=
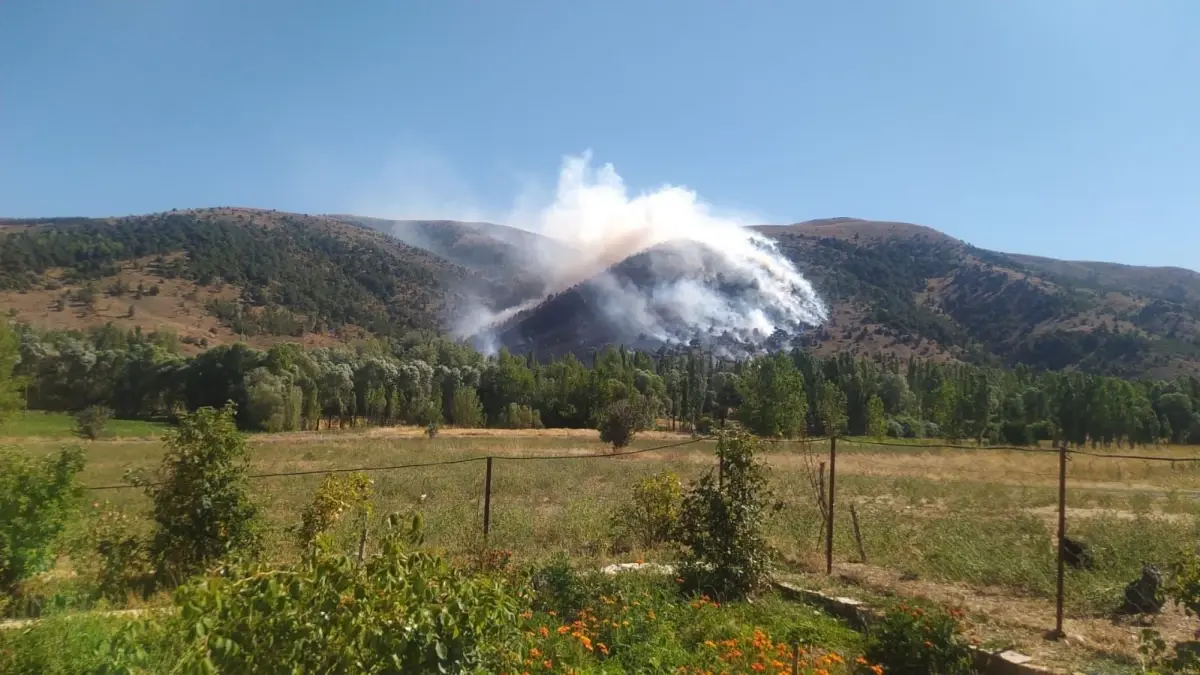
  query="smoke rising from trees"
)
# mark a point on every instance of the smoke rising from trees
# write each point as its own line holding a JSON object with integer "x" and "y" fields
{"x": 703, "y": 273}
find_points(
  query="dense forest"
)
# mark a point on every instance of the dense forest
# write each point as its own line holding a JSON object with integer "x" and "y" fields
{"x": 425, "y": 379}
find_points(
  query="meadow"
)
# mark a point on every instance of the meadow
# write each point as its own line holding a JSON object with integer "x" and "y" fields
{"x": 971, "y": 527}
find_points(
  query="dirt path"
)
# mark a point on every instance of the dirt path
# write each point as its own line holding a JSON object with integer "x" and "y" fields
{"x": 999, "y": 618}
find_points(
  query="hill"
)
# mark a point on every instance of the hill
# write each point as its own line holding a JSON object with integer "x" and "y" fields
{"x": 904, "y": 289}
{"x": 214, "y": 275}
{"x": 217, "y": 275}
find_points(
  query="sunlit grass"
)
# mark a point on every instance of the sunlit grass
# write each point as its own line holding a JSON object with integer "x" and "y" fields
{"x": 984, "y": 517}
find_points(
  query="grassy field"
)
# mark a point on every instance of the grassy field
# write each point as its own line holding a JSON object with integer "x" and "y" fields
{"x": 974, "y": 527}
{"x": 37, "y": 424}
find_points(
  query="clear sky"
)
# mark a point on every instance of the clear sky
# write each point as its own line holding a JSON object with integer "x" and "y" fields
{"x": 1068, "y": 128}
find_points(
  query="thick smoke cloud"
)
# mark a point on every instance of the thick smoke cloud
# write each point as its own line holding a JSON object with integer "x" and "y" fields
{"x": 700, "y": 273}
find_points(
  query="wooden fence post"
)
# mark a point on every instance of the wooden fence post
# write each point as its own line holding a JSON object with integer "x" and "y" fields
{"x": 487, "y": 499}
{"x": 829, "y": 523}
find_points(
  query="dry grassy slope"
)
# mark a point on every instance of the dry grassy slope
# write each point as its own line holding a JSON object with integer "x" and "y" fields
{"x": 179, "y": 307}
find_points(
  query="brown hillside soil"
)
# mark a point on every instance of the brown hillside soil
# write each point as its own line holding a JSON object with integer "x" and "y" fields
{"x": 179, "y": 307}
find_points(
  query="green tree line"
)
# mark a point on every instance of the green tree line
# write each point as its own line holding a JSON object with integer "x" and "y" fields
{"x": 425, "y": 379}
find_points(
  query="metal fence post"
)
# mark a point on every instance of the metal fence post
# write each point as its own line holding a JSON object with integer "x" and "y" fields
{"x": 1062, "y": 534}
{"x": 487, "y": 499}
{"x": 829, "y": 523}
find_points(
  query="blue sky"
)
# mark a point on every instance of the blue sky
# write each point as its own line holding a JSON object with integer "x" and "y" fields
{"x": 1068, "y": 128}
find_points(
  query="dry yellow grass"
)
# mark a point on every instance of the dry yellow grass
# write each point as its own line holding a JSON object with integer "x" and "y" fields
{"x": 976, "y": 524}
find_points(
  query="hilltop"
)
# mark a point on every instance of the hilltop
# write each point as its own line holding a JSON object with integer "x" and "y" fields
{"x": 217, "y": 275}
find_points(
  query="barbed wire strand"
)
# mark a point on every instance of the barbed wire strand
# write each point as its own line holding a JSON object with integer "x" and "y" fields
{"x": 396, "y": 467}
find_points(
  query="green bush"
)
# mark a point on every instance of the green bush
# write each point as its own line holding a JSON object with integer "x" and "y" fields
{"x": 338, "y": 494}
{"x": 115, "y": 556}
{"x": 89, "y": 422}
{"x": 913, "y": 640}
{"x": 403, "y": 611}
{"x": 202, "y": 511}
{"x": 618, "y": 424}
{"x": 36, "y": 499}
{"x": 652, "y": 513}
{"x": 721, "y": 525}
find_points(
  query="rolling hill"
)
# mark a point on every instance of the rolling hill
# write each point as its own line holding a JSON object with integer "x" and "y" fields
{"x": 216, "y": 275}
{"x": 893, "y": 288}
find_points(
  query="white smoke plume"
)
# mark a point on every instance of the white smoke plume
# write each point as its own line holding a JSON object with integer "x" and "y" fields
{"x": 729, "y": 281}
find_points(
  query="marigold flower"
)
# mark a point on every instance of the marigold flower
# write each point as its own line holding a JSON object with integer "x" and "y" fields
{"x": 547, "y": 664}
{"x": 928, "y": 644}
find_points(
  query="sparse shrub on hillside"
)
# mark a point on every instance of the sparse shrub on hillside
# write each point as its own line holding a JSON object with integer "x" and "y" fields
{"x": 89, "y": 422}
{"x": 36, "y": 498}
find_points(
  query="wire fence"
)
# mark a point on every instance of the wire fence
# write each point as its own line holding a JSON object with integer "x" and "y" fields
{"x": 1084, "y": 532}
{"x": 1095, "y": 534}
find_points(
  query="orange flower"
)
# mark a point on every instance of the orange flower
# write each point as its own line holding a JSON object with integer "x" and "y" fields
{"x": 928, "y": 644}
{"x": 602, "y": 647}
{"x": 758, "y": 666}
{"x": 547, "y": 664}
{"x": 543, "y": 631}
{"x": 534, "y": 652}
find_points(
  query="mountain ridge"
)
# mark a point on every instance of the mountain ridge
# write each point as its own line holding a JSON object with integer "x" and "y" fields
{"x": 892, "y": 287}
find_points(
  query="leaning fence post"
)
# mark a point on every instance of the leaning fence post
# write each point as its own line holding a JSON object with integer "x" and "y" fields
{"x": 487, "y": 499}
{"x": 1062, "y": 534}
{"x": 829, "y": 523}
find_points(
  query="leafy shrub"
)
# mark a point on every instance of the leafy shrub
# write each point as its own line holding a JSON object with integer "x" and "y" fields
{"x": 910, "y": 427}
{"x": 89, "y": 422}
{"x": 338, "y": 494}
{"x": 36, "y": 499}
{"x": 115, "y": 556}
{"x": 920, "y": 641}
{"x": 466, "y": 410}
{"x": 431, "y": 430}
{"x": 67, "y": 645}
{"x": 618, "y": 424}
{"x": 704, "y": 425}
{"x": 652, "y": 513}
{"x": 202, "y": 511}
{"x": 559, "y": 588}
{"x": 895, "y": 429}
{"x": 722, "y": 526}
{"x": 517, "y": 416}
{"x": 1042, "y": 431}
{"x": 401, "y": 611}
